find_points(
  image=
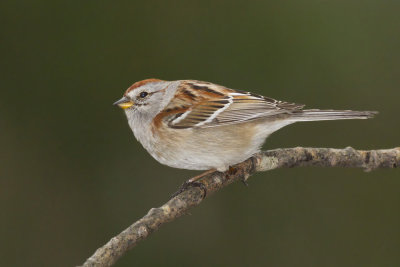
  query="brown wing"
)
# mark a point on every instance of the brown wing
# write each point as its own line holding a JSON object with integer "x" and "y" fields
{"x": 204, "y": 105}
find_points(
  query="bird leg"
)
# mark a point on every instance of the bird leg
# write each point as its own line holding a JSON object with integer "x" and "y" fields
{"x": 194, "y": 182}
{"x": 232, "y": 171}
{"x": 198, "y": 177}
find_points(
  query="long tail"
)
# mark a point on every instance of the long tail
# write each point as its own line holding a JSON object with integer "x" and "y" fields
{"x": 322, "y": 115}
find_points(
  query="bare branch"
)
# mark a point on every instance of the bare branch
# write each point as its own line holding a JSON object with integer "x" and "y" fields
{"x": 263, "y": 161}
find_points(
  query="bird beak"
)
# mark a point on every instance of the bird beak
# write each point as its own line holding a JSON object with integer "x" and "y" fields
{"x": 124, "y": 103}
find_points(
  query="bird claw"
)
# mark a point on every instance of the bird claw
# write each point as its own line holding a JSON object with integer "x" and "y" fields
{"x": 232, "y": 171}
{"x": 188, "y": 184}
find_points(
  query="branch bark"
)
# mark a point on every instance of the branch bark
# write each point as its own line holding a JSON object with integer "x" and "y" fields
{"x": 263, "y": 161}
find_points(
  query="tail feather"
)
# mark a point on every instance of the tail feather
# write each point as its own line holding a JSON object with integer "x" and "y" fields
{"x": 322, "y": 115}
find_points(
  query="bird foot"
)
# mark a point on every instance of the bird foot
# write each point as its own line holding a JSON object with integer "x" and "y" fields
{"x": 188, "y": 184}
{"x": 232, "y": 171}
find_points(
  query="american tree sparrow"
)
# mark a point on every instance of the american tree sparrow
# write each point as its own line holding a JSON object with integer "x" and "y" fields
{"x": 198, "y": 125}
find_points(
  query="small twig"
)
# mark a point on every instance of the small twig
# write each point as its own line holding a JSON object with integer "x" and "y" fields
{"x": 263, "y": 161}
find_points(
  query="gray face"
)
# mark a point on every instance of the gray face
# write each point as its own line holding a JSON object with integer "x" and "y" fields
{"x": 146, "y": 99}
{"x": 149, "y": 99}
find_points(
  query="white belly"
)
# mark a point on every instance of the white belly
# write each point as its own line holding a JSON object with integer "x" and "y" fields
{"x": 208, "y": 148}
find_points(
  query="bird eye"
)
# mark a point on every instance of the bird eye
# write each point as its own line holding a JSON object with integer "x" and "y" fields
{"x": 143, "y": 94}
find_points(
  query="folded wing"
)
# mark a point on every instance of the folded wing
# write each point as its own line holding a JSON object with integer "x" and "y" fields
{"x": 210, "y": 105}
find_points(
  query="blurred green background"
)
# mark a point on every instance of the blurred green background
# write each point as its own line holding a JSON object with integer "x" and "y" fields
{"x": 73, "y": 176}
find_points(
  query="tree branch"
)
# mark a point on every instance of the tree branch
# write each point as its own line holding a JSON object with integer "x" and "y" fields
{"x": 263, "y": 161}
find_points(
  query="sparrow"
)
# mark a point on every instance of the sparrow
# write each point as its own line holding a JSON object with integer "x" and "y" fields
{"x": 197, "y": 125}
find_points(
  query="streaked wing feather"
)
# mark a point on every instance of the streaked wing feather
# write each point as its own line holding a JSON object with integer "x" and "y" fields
{"x": 224, "y": 106}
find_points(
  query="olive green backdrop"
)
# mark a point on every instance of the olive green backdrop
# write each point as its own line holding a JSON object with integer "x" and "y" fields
{"x": 73, "y": 176}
